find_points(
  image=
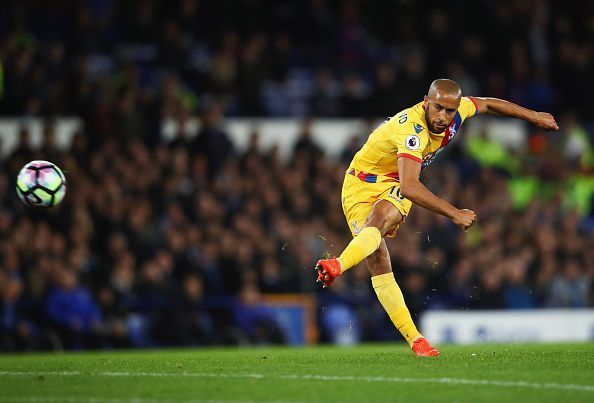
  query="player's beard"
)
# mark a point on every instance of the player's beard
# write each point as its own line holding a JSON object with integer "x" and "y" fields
{"x": 431, "y": 126}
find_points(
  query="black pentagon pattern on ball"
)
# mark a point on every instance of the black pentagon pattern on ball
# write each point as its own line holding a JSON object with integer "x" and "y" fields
{"x": 27, "y": 194}
{"x": 30, "y": 192}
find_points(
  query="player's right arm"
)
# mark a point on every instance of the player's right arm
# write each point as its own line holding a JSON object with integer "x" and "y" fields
{"x": 409, "y": 171}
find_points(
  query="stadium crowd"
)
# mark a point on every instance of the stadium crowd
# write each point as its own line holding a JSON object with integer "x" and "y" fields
{"x": 174, "y": 243}
{"x": 287, "y": 58}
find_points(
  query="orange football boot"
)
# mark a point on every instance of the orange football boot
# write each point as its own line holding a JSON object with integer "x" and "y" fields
{"x": 328, "y": 270}
{"x": 422, "y": 348}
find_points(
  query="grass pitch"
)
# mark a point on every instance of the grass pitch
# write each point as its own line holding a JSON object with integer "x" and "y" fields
{"x": 388, "y": 372}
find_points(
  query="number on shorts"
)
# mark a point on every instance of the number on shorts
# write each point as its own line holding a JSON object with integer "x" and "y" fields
{"x": 398, "y": 195}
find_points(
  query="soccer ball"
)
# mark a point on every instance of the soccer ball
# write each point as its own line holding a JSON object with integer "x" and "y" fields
{"x": 41, "y": 184}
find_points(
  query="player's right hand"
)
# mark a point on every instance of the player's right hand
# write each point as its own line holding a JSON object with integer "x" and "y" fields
{"x": 464, "y": 218}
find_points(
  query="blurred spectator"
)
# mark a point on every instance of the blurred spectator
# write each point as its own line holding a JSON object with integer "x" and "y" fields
{"x": 23, "y": 151}
{"x": 188, "y": 320}
{"x": 73, "y": 313}
{"x": 212, "y": 141}
{"x": 570, "y": 288}
{"x": 16, "y": 328}
{"x": 49, "y": 150}
{"x": 517, "y": 293}
{"x": 490, "y": 295}
{"x": 255, "y": 319}
{"x": 306, "y": 145}
{"x": 194, "y": 323}
{"x": 385, "y": 98}
{"x": 253, "y": 70}
{"x": 326, "y": 99}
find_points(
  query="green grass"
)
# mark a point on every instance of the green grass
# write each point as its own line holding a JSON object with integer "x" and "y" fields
{"x": 387, "y": 372}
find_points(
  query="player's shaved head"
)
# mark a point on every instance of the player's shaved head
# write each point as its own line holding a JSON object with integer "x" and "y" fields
{"x": 441, "y": 103}
{"x": 444, "y": 87}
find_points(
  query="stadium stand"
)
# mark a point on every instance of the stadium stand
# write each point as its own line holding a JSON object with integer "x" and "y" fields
{"x": 176, "y": 243}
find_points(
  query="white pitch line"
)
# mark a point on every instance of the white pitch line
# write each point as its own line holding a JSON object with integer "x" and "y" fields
{"x": 448, "y": 381}
{"x": 65, "y": 399}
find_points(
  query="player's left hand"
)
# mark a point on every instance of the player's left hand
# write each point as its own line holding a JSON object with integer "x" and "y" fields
{"x": 545, "y": 121}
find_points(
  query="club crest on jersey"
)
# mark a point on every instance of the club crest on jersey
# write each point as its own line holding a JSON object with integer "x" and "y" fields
{"x": 412, "y": 142}
{"x": 418, "y": 128}
{"x": 452, "y": 130}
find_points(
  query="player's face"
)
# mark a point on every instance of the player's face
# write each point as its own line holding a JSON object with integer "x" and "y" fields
{"x": 440, "y": 111}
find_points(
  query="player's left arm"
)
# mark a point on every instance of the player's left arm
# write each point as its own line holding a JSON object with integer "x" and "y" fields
{"x": 500, "y": 107}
